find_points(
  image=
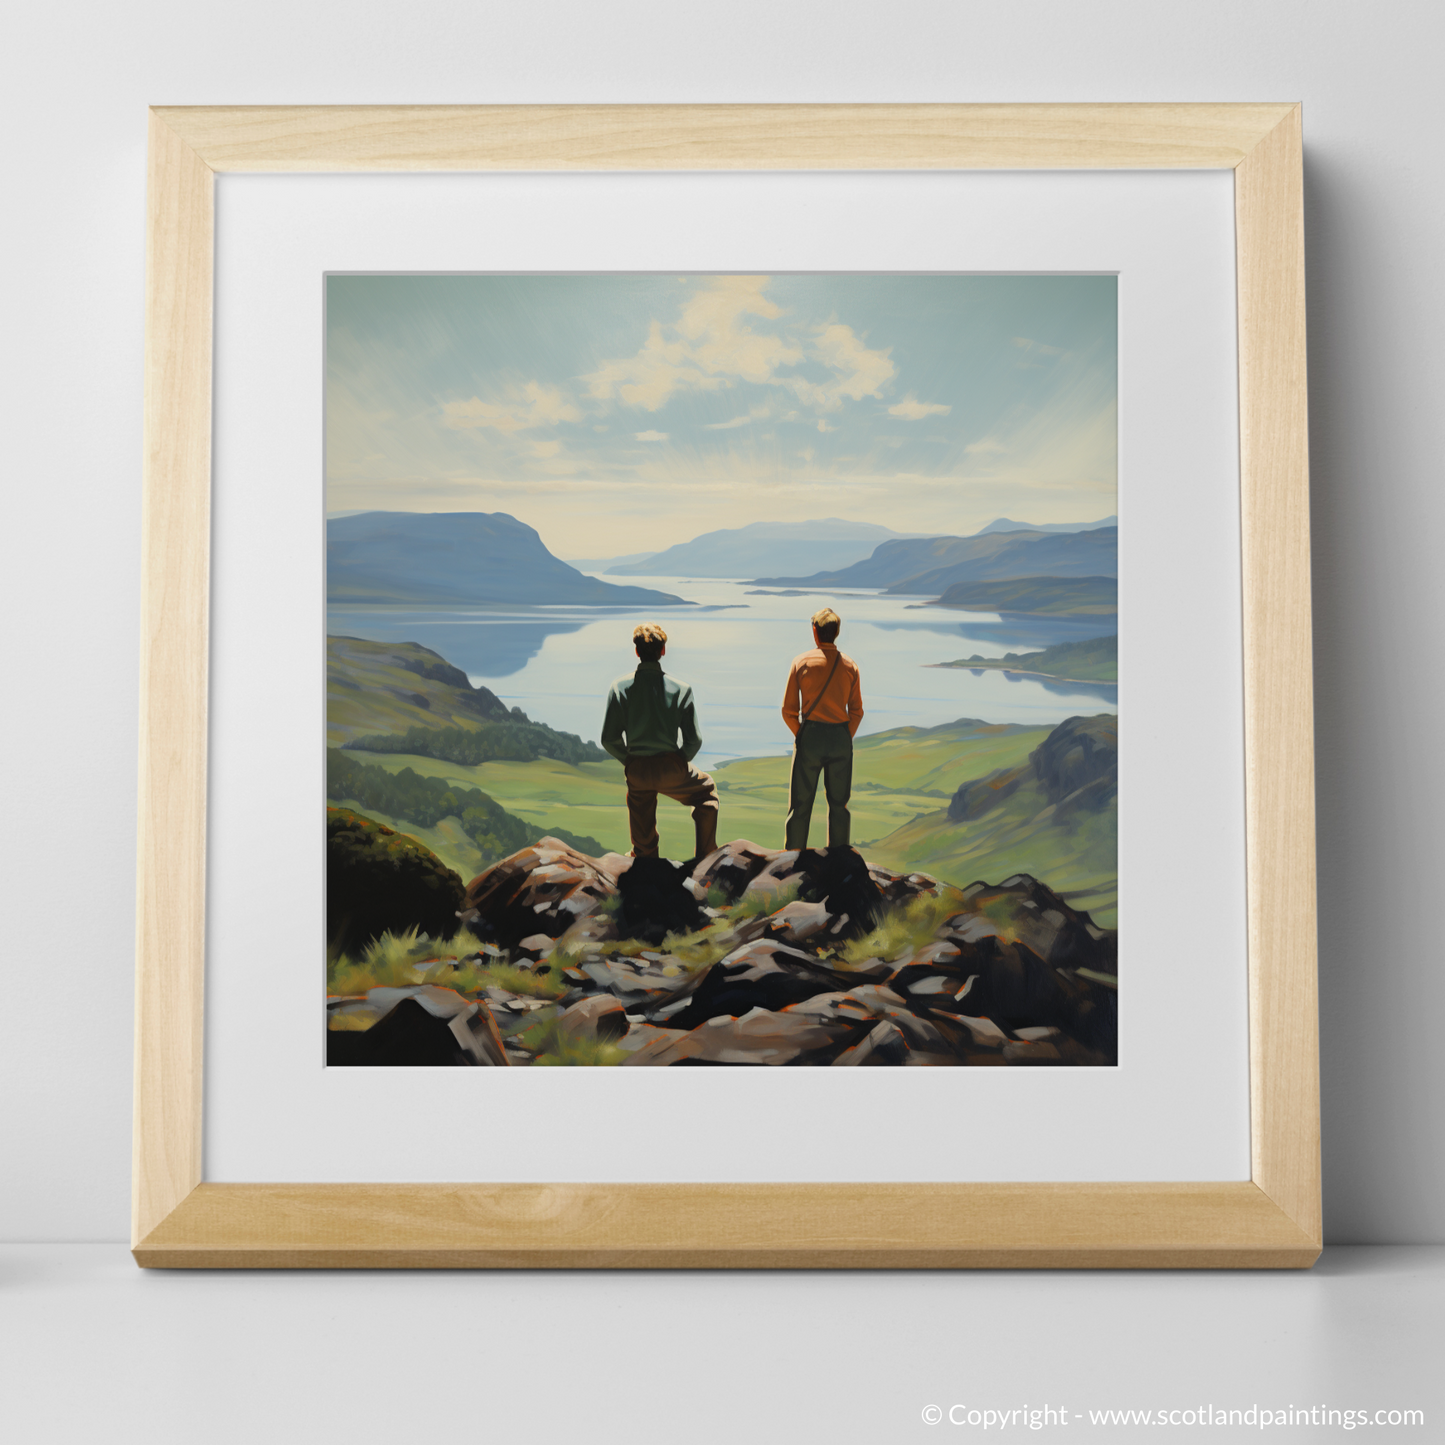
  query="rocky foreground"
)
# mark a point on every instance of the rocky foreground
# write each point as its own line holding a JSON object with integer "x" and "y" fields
{"x": 749, "y": 957}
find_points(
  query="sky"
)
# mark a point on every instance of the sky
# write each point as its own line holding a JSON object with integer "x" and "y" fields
{"x": 626, "y": 413}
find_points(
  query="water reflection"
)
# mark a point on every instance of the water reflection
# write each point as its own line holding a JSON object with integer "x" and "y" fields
{"x": 479, "y": 643}
{"x": 734, "y": 646}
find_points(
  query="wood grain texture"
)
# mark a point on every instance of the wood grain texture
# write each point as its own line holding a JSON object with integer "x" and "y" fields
{"x": 720, "y": 137}
{"x": 1272, "y": 1222}
{"x": 701, "y": 1226}
{"x": 175, "y": 558}
{"x": 1279, "y": 705}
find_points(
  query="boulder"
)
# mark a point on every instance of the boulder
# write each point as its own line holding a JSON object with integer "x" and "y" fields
{"x": 381, "y": 881}
{"x": 598, "y": 1017}
{"x": 758, "y": 1037}
{"x": 419, "y": 1028}
{"x": 643, "y": 1042}
{"x": 795, "y": 923}
{"x": 836, "y": 877}
{"x": 764, "y": 975}
{"x": 732, "y": 867}
{"x": 902, "y": 887}
{"x": 656, "y": 901}
{"x": 1031, "y": 1053}
{"x": 883, "y": 1044}
{"x": 984, "y": 1032}
{"x": 917, "y": 1032}
{"x": 1037, "y": 917}
{"x": 837, "y": 1006}
{"x": 543, "y": 890}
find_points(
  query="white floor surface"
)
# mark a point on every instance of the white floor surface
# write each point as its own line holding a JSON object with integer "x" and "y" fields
{"x": 94, "y": 1349}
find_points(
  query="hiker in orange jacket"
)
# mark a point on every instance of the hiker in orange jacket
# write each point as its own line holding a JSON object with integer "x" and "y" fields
{"x": 822, "y": 706}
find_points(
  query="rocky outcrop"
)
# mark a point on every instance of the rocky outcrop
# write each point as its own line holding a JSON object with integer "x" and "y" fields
{"x": 1079, "y": 761}
{"x": 981, "y": 795}
{"x": 765, "y": 958}
{"x": 1075, "y": 769}
{"x": 412, "y": 1028}
{"x": 543, "y": 889}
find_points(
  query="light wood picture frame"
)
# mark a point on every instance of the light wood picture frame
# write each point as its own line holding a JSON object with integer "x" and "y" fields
{"x": 1271, "y": 1220}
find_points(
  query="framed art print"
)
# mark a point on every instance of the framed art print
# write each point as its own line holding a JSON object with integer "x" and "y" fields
{"x": 800, "y": 620}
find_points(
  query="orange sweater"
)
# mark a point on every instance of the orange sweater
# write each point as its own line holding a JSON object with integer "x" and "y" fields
{"x": 843, "y": 700}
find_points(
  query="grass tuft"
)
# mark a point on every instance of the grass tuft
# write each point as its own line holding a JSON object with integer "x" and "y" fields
{"x": 396, "y": 961}
{"x": 523, "y": 981}
{"x": 901, "y": 930}
{"x": 555, "y": 1049}
{"x": 766, "y": 900}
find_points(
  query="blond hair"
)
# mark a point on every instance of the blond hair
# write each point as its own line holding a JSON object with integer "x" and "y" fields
{"x": 649, "y": 640}
{"x": 827, "y": 622}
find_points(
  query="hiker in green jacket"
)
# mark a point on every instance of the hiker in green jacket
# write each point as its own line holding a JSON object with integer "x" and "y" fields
{"x": 822, "y": 706}
{"x": 648, "y": 712}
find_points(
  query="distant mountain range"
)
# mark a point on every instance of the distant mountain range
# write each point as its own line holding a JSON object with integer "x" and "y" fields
{"x": 931, "y": 565}
{"x": 1005, "y": 524}
{"x": 458, "y": 559}
{"x": 826, "y": 542}
{"x": 601, "y": 564}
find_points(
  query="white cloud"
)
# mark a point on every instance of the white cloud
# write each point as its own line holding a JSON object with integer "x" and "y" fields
{"x": 824, "y": 426}
{"x": 651, "y": 436}
{"x": 534, "y": 405}
{"x": 649, "y": 378}
{"x": 986, "y": 447}
{"x": 710, "y": 344}
{"x": 546, "y": 449}
{"x": 911, "y": 409}
{"x": 857, "y": 370}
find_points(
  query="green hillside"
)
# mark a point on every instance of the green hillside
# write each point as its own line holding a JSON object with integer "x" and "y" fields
{"x": 419, "y": 804}
{"x": 1094, "y": 660}
{"x": 896, "y": 776}
{"x": 470, "y": 813}
{"x": 1078, "y": 858}
{"x": 387, "y": 687}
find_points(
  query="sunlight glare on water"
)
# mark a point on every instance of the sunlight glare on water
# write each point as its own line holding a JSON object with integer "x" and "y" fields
{"x": 556, "y": 663}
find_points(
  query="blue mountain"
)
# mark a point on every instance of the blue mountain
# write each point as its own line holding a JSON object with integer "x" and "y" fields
{"x": 934, "y": 564}
{"x": 459, "y": 559}
{"x": 825, "y": 542}
{"x": 1007, "y": 524}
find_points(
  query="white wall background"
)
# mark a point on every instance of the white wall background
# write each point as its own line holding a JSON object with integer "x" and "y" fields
{"x": 77, "y": 76}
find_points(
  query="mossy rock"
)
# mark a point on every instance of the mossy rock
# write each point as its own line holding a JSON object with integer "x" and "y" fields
{"x": 380, "y": 881}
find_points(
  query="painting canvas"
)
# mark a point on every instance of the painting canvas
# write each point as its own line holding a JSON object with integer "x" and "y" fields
{"x": 721, "y": 670}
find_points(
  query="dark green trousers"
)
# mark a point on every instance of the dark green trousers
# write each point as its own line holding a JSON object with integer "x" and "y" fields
{"x": 825, "y": 748}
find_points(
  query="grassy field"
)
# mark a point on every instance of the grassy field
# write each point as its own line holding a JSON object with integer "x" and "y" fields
{"x": 897, "y": 776}
{"x": 1079, "y": 861}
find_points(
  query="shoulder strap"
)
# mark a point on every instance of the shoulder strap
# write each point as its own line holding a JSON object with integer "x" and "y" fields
{"x": 837, "y": 656}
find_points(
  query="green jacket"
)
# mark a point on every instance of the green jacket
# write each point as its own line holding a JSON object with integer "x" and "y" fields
{"x": 650, "y": 709}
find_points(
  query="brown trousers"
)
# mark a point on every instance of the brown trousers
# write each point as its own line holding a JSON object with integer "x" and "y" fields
{"x": 673, "y": 776}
